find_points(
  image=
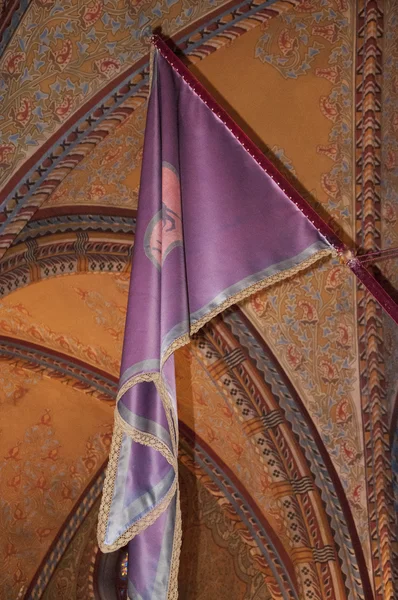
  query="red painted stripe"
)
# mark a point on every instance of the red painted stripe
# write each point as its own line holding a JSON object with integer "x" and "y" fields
{"x": 62, "y": 211}
{"x": 4, "y": 339}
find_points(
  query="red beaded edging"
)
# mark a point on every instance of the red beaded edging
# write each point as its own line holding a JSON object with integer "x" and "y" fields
{"x": 368, "y": 280}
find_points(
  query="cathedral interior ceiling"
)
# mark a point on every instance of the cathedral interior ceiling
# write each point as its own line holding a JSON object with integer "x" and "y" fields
{"x": 73, "y": 84}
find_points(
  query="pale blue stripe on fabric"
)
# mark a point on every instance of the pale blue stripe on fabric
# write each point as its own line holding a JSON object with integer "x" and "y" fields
{"x": 145, "y": 366}
{"x": 177, "y": 331}
{"x": 145, "y": 425}
{"x": 132, "y": 592}
{"x": 144, "y": 503}
{"x": 121, "y": 517}
{"x": 161, "y": 583}
{"x": 256, "y": 277}
{"x": 183, "y": 327}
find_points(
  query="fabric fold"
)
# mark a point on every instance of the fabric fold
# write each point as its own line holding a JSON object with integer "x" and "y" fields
{"x": 212, "y": 228}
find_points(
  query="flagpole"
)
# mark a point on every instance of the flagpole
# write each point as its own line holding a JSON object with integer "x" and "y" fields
{"x": 346, "y": 255}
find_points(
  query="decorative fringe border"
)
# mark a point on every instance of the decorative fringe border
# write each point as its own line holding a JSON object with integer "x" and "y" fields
{"x": 121, "y": 428}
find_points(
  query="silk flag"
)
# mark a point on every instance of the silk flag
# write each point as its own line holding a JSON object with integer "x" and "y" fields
{"x": 213, "y": 226}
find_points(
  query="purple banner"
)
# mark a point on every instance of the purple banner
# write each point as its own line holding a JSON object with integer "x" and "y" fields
{"x": 212, "y": 228}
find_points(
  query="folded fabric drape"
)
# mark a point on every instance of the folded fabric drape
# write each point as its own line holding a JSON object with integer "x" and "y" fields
{"x": 213, "y": 226}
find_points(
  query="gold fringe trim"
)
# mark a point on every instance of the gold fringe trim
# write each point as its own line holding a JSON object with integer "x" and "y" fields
{"x": 183, "y": 340}
{"x": 107, "y": 495}
{"x": 107, "y": 490}
{"x": 122, "y": 427}
{"x": 172, "y": 592}
{"x": 157, "y": 379}
{"x": 173, "y": 427}
{"x": 146, "y": 439}
{"x": 242, "y": 295}
{"x": 234, "y": 299}
{"x": 261, "y": 285}
{"x": 152, "y": 51}
{"x": 154, "y": 377}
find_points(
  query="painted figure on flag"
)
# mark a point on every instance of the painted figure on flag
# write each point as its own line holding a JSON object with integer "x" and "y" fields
{"x": 164, "y": 232}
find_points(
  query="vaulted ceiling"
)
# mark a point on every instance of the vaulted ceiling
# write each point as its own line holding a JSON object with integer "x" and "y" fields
{"x": 285, "y": 450}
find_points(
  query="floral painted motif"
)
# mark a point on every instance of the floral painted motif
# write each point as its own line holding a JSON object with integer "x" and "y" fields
{"x": 72, "y": 49}
{"x": 389, "y": 221}
{"x": 49, "y": 90}
{"x": 15, "y": 383}
{"x": 279, "y": 153}
{"x": 318, "y": 28}
{"x": 389, "y": 181}
{"x": 110, "y": 174}
{"x": 289, "y": 52}
{"x": 38, "y": 494}
{"x": 109, "y": 315}
{"x": 311, "y": 333}
{"x": 63, "y": 107}
{"x": 22, "y": 115}
{"x": 309, "y": 323}
{"x": 17, "y": 322}
{"x": 91, "y": 13}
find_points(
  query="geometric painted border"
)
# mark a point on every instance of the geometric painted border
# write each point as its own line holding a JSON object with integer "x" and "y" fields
{"x": 206, "y": 461}
{"x": 18, "y": 195}
{"x": 369, "y": 79}
{"x": 325, "y": 476}
{"x": 350, "y": 553}
{"x": 356, "y": 576}
{"x": 245, "y": 507}
{"x": 64, "y": 368}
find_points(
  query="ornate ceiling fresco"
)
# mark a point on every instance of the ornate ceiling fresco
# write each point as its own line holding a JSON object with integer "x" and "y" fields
{"x": 287, "y": 403}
